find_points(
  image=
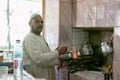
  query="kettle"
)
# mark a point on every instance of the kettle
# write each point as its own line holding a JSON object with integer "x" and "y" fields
{"x": 106, "y": 47}
{"x": 87, "y": 49}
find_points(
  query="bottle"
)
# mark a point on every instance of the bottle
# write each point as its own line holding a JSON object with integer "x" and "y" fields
{"x": 17, "y": 61}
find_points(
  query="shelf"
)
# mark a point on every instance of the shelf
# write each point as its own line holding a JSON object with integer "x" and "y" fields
{"x": 94, "y": 28}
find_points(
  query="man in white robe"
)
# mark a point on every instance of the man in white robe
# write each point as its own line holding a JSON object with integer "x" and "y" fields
{"x": 36, "y": 53}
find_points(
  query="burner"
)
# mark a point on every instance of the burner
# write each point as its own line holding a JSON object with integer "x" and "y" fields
{"x": 81, "y": 63}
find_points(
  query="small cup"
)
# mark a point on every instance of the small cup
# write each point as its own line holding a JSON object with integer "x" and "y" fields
{"x": 3, "y": 72}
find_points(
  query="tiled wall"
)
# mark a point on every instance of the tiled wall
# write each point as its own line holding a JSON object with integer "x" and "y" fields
{"x": 79, "y": 36}
{"x": 94, "y": 37}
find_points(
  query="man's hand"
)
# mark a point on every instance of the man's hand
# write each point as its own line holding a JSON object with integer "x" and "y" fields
{"x": 62, "y": 50}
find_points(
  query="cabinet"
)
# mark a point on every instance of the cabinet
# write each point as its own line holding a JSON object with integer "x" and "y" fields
{"x": 93, "y": 13}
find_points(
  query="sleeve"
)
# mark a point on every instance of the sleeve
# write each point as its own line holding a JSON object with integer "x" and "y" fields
{"x": 37, "y": 55}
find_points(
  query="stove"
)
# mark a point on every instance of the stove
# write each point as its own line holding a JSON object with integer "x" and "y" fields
{"x": 86, "y": 62}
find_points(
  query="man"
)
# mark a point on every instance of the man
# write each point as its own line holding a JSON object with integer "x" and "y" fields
{"x": 37, "y": 54}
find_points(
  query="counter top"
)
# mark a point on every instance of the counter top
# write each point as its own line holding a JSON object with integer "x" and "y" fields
{"x": 80, "y": 75}
{"x": 90, "y": 75}
{"x": 11, "y": 77}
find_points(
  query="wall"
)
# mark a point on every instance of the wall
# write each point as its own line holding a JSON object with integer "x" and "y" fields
{"x": 65, "y": 31}
{"x": 79, "y": 36}
{"x": 116, "y": 57}
{"x": 94, "y": 36}
{"x": 51, "y": 22}
{"x": 94, "y": 13}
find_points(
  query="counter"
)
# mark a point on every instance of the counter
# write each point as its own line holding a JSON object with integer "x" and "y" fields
{"x": 80, "y": 75}
{"x": 10, "y": 77}
{"x": 90, "y": 75}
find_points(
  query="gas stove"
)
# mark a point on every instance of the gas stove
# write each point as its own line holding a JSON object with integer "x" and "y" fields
{"x": 85, "y": 62}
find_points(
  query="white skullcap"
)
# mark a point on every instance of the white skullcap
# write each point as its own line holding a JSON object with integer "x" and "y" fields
{"x": 34, "y": 15}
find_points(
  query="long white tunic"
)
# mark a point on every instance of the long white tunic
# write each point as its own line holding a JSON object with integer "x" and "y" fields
{"x": 38, "y": 56}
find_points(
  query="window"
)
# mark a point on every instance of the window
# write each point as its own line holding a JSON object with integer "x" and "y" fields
{"x": 14, "y": 20}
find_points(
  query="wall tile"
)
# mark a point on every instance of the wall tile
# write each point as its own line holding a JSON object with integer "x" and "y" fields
{"x": 79, "y": 36}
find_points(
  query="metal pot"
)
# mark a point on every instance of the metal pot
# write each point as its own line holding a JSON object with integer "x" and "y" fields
{"x": 106, "y": 47}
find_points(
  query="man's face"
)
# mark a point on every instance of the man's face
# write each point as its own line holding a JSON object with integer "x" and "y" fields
{"x": 36, "y": 24}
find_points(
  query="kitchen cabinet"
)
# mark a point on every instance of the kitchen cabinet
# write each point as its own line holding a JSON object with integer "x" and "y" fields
{"x": 93, "y": 13}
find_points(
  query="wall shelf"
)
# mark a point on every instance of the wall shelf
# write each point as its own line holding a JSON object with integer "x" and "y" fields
{"x": 94, "y": 28}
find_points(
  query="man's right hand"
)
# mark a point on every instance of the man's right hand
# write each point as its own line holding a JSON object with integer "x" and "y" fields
{"x": 62, "y": 50}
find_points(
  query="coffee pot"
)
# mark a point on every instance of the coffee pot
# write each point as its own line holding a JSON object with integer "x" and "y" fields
{"x": 86, "y": 49}
{"x": 106, "y": 47}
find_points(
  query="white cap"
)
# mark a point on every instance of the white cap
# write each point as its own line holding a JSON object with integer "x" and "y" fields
{"x": 34, "y": 15}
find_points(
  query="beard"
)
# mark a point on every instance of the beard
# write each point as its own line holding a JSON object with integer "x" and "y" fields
{"x": 37, "y": 30}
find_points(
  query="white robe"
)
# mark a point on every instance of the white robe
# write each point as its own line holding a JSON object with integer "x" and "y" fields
{"x": 38, "y": 56}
